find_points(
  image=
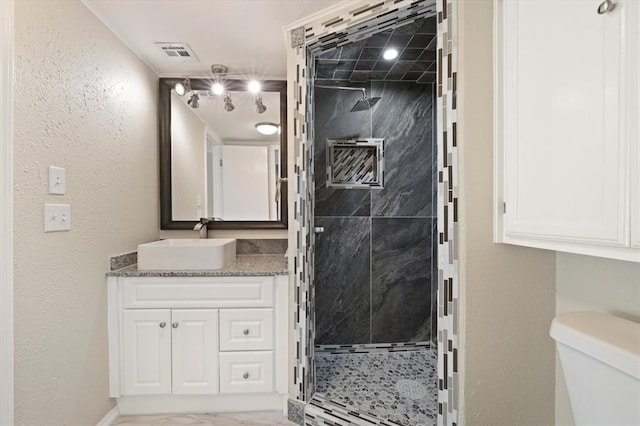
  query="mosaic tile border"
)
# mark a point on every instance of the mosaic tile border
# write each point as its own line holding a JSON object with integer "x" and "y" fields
{"x": 352, "y": 22}
{"x": 374, "y": 347}
{"x": 324, "y": 412}
{"x": 120, "y": 261}
{"x": 448, "y": 197}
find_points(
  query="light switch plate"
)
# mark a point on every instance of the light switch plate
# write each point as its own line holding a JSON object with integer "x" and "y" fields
{"x": 57, "y": 180}
{"x": 57, "y": 217}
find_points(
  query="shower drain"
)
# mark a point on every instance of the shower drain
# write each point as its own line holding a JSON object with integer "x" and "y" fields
{"x": 411, "y": 389}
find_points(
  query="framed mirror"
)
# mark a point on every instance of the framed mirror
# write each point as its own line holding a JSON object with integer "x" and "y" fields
{"x": 216, "y": 159}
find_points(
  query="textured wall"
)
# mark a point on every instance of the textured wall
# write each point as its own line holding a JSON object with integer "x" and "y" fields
{"x": 187, "y": 161}
{"x": 507, "y": 293}
{"x": 86, "y": 103}
{"x": 593, "y": 284}
{"x": 375, "y": 260}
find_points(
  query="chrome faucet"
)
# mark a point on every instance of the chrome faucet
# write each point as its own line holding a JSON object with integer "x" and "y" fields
{"x": 203, "y": 225}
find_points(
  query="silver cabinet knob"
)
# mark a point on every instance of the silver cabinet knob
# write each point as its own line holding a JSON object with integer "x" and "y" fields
{"x": 163, "y": 324}
{"x": 174, "y": 325}
{"x": 245, "y": 375}
{"x": 245, "y": 331}
{"x": 605, "y": 7}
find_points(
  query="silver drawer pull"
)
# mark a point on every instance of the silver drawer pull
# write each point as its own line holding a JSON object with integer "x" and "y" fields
{"x": 174, "y": 325}
{"x": 605, "y": 7}
{"x": 245, "y": 331}
{"x": 163, "y": 324}
{"x": 245, "y": 375}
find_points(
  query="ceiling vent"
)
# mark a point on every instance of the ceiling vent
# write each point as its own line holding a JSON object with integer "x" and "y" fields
{"x": 179, "y": 52}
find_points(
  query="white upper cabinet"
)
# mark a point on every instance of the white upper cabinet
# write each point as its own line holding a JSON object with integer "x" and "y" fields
{"x": 566, "y": 122}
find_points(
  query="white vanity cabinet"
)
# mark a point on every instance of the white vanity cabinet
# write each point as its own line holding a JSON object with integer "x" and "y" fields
{"x": 179, "y": 344}
{"x": 567, "y": 126}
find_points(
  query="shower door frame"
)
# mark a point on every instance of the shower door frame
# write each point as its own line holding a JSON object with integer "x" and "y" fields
{"x": 342, "y": 24}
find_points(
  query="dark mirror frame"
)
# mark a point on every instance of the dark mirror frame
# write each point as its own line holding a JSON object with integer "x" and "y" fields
{"x": 164, "y": 111}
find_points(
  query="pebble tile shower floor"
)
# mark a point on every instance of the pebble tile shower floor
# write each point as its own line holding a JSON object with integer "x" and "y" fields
{"x": 399, "y": 387}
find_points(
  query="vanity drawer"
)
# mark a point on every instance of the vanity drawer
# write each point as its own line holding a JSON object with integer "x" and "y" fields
{"x": 197, "y": 292}
{"x": 246, "y": 372}
{"x": 246, "y": 329}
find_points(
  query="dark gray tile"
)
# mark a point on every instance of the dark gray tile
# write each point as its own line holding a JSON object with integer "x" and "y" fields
{"x": 352, "y": 50}
{"x": 434, "y": 281}
{"x": 401, "y": 280}
{"x": 429, "y": 26}
{"x": 360, "y": 75}
{"x": 398, "y": 41}
{"x": 342, "y": 75}
{"x": 346, "y": 65}
{"x": 401, "y": 67}
{"x": 325, "y": 69}
{"x": 365, "y": 65}
{"x": 421, "y": 41}
{"x": 379, "y": 39}
{"x": 383, "y": 65}
{"x": 427, "y": 77}
{"x": 377, "y": 75}
{"x": 369, "y": 53}
{"x": 331, "y": 54}
{"x": 421, "y": 66}
{"x": 342, "y": 281}
{"x": 404, "y": 118}
{"x": 409, "y": 54}
{"x": 334, "y": 120}
{"x": 412, "y": 76}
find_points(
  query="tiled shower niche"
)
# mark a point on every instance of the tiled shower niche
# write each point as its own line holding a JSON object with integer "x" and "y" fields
{"x": 355, "y": 164}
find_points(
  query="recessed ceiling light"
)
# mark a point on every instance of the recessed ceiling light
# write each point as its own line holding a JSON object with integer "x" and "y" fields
{"x": 254, "y": 86}
{"x": 390, "y": 54}
{"x": 267, "y": 128}
{"x": 217, "y": 89}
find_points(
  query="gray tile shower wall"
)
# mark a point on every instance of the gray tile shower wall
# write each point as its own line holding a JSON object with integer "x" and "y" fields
{"x": 344, "y": 273}
{"x": 401, "y": 279}
{"x": 374, "y": 263}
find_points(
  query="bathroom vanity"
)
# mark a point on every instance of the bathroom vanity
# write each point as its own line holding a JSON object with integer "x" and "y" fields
{"x": 199, "y": 341}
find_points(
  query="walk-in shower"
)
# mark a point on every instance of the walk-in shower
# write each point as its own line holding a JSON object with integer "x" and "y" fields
{"x": 375, "y": 262}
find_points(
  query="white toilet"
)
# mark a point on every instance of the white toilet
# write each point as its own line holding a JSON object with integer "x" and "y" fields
{"x": 600, "y": 358}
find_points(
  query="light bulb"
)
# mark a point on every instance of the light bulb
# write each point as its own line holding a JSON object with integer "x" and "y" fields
{"x": 390, "y": 54}
{"x": 217, "y": 89}
{"x": 180, "y": 90}
{"x": 254, "y": 86}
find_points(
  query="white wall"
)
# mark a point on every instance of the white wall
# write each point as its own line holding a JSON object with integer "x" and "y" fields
{"x": 507, "y": 293}
{"x": 86, "y": 103}
{"x": 587, "y": 283}
{"x": 188, "y": 150}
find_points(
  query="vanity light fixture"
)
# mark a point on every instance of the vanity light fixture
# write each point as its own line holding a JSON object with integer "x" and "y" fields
{"x": 182, "y": 87}
{"x": 194, "y": 101}
{"x": 228, "y": 105}
{"x": 390, "y": 54}
{"x": 254, "y": 86}
{"x": 267, "y": 128}
{"x": 259, "y": 105}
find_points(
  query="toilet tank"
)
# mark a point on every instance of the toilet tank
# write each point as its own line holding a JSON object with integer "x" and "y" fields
{"x": 600, "y": 359}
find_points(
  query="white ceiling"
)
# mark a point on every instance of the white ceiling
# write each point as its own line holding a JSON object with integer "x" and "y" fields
{"x": 245, "y": 35}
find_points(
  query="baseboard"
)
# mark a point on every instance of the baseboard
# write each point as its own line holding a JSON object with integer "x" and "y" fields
{"x": 109, "y": 417}
{"x": 220, "y": 403}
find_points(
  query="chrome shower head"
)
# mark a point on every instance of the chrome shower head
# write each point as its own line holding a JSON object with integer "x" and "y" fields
{"x": 365, "y": 104}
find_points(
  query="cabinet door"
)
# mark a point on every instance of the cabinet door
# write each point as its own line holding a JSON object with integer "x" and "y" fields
{"x": 195, "y": 351}
{"x": 147, "y": 352}
{"x": 563, "y": 95}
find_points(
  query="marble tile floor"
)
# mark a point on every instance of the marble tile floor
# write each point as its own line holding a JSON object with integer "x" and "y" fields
{"x": 398, "y": 387}
{"x": 264, "y": 418}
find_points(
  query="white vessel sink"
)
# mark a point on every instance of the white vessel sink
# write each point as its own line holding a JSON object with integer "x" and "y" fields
{"x": 186, "y": 254}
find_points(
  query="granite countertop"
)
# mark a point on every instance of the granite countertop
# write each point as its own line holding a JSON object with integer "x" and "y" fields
{"x": 244, "y": 265}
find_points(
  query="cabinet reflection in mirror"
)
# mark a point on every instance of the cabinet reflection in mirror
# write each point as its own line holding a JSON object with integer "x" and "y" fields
{"x": 223, "y": 156}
